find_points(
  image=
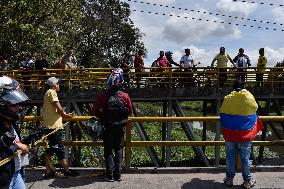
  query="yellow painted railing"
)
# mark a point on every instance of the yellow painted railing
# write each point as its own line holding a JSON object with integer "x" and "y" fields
{"x": 130, "y": 144}
{"x": 95, "y": 77}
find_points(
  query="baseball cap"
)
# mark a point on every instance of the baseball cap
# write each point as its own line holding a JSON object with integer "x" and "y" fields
{"x": 52, "y": 81}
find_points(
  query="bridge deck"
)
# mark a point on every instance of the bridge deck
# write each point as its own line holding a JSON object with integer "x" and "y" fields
{"x": 166, "y": 180}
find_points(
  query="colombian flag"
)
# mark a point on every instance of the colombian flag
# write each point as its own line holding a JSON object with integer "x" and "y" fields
{"x": 239, "y": 121}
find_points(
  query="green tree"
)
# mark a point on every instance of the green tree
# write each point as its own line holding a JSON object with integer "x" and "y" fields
{"x": 110, "y": 35}
{"x": 101, "y": 31}
{"x": 32, "y": 25}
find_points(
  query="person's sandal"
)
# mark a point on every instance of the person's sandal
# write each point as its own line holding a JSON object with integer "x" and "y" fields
{"x": 50, "y": 175}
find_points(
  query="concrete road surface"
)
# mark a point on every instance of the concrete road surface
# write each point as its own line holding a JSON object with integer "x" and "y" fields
{"x": 169, "y": 179}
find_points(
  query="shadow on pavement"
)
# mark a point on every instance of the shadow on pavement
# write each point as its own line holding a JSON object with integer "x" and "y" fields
{"x": 197, "y": 183}
{"x": 61, "y": 182}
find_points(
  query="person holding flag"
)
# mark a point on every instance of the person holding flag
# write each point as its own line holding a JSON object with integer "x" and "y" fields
{"x": 239, "y": 124}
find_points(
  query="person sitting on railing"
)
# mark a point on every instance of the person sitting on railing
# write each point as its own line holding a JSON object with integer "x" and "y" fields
{"x": 59, "y": 63}
{"x": 26, "y": 65}
{"x": 139, "y": 65}
{"x": 3, "y": 63}
{"x": 261, "y": 64}
{"x": 187, "y": 62}
{"x": 41, "y": 63}
{"x": 69, "y": 59}
{"x": 240, "y": 124}
{"x": 52, "y": 119}
{"x": 222, "y": 59}
{"x": 113, "y": 107}
{"x": 242, "y": 62}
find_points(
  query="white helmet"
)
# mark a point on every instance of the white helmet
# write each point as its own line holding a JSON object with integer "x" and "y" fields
{"x": 10, "y": 91}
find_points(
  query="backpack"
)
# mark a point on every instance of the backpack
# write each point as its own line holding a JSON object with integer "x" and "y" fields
{"x": 115, "y": 111}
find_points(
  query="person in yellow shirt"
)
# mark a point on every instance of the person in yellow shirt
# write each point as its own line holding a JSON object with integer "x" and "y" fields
{"x": 52, "y": 119}
{"x": 261, "y": 65}
{"x": 222, "y": 59}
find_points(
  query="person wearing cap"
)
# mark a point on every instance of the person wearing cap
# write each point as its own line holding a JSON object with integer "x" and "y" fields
{"x": 52, "y": 119}
{"x": 242, "y": 62}
{"x": 112, "y": 107}
{"x": 11, "y": 173}
{"x": 162, "y": 62}
{"x": 261, "y": 64}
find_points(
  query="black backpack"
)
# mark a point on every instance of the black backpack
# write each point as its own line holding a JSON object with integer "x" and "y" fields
{"x": 115, "y": 110}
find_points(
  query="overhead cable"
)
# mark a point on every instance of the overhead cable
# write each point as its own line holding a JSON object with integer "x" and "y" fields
{"x": 207, "y": 20}
{"x": 205, "y": 12}
{"x": 253, "y": 2}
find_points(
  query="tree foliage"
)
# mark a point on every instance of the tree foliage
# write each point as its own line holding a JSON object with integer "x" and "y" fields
{"x": 100, "y": 30}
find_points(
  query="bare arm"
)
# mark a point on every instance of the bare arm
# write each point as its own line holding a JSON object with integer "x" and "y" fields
{"x": 61, "y": 111}
{"x": 212, "y": 63}
{"x": 231, "y": 61}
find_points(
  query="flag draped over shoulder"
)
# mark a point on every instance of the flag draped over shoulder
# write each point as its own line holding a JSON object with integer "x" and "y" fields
{"x": 239, "y": 121}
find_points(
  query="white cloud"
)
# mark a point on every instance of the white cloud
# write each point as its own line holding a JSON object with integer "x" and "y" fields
{"x": 186, "y": 30}
{"x": 236, "y": 8}
{"x": 201, "y": 55}
{"x": 205, "y": 56}
{"x": 278, "y": 14}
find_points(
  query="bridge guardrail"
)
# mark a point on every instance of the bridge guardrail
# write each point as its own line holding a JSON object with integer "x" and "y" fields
{"x": 130, "y": 144}
{"x": 174, "y": 77}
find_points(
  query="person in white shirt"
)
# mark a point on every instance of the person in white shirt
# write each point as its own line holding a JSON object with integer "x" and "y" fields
{"x": 242, "y": 61}
{"x": 187, "y": 60}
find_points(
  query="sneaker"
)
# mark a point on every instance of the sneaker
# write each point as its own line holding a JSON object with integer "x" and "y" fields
{"x": 71, "y": 173}
{"x": 117, "y": 177}
{"x": 249, "y": 184}
{"x": 49, "y": 175}
{"x": 228, "y": 181}
{"x": 109, "y": 178}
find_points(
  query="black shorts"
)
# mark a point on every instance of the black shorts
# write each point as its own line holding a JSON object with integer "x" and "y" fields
{"x": 55, "y": 145}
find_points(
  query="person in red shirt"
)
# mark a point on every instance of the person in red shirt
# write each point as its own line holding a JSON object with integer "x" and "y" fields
{"x": 113, "y": 107}
{"x": 162, "y": 62}
{"x": 139, "y": 65}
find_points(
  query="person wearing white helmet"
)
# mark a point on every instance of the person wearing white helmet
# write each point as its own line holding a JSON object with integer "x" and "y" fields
{"x": 52, "y": 119}
{"x": 11, "y": 173}
{"x": 113, "y": 107}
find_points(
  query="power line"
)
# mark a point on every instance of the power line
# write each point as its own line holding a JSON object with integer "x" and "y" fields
{"x": 205, "y": 12}
{"x": 207, "y": 20}
{"x": 253, "y": 2}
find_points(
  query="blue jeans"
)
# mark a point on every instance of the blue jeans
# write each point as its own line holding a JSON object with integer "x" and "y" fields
{"x": 17, "y": 181}
{"x": 244, "y": 149}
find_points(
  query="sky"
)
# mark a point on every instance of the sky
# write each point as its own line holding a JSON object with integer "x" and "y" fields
{"x": 204, "y": 36}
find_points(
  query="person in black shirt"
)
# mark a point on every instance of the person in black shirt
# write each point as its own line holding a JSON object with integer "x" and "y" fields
{"x": 41, "y": 63}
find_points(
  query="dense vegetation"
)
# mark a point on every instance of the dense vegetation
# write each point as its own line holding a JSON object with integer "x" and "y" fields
{"x": 100, "y": 30}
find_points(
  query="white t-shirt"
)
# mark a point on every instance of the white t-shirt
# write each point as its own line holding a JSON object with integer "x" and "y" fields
{"x": 187, "y": 61}
{"x": 20, "y": 160}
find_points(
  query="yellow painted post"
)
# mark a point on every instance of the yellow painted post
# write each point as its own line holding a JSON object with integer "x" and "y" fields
{"x": 218, "y": 78}
{"x": 171, "y": 76}
{"x": 69, "y": 82}
{"x": 128, "y": 146}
